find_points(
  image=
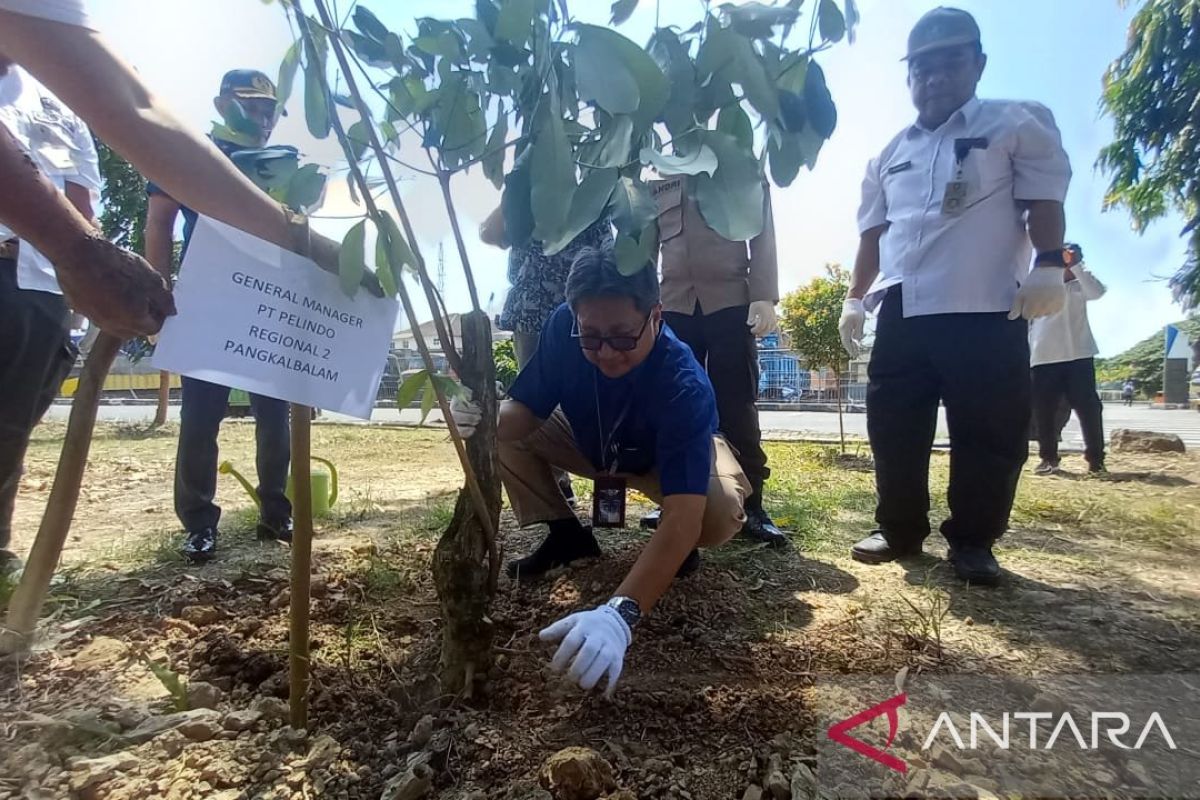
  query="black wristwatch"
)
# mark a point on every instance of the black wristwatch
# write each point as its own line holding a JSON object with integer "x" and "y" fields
{"x": 628, "y": 608}
{"x": 1050, "y": 258}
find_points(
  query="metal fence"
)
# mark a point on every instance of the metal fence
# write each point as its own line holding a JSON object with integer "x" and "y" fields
{"x": 783, "y": 378}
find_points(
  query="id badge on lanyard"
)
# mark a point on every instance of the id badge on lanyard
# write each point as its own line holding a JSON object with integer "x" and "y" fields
{"x": 954, "y": 199}
{"x": 608, "y": 490}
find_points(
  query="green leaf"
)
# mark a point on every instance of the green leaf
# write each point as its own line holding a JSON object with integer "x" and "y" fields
{"x": 673, "y": 58}
{"x": 369, "y": 24}
{"x": 731, "y": 200}
{"x": 552, "y": 172}
{"x": 358, "y": 139}
{"x": 493, "y": 160}
{"x": 818, "y": 102}
{"x": 793, "y": 112}
{"x": 487, "y": 13}
{"x": 830, "y": 21}
{"x": 449, "y": 387}
{"x": 810, "y": 145}
{"x": 411, "y": 386}
{"x": 736, "y": 122}
{"x": 852, "y": 20}
{"x": 792, "y": 75}
{"x": 170, "y": 681}
{"x": 785, "y": 154}
{"x": 428, "y": 399}
{"x": 633, "y": 207}
{"x": 392, "y": 238}
{"x": 634, "y": 254}
{"x": 515, "y": 21}
{"x": 369, "y": 50}
{"x": 587, "y": 205}
{"x": 304, "y": 189}
{"x": 703, "y": 160}
{"x": 601, "y": 75}
{"x": 652, "y": 85}
{"x": 752, "y": 75}
{"x": 316, "y": 100}
{"x": 287, "y": 76}
{"x": 622, "y": 10}
{"x": 615, "y": 138}
{"x": 517, "y": 206}
{"x": 350, "y": 258}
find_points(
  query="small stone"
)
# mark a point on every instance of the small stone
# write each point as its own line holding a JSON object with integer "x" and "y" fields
{"x": 282, "y": 599}
{"x": 1125, "y": 440}
{"x": 625, "y": 794}
{"x": 272, "y": 708}
{"x": 91, "y": 771}
{"x": 412, "y": 784}
{"x": 422, "y": 732}
{"x": 201, "y": 615}
{"x": 101, "y": 652}
{"x": 1045, "y": 701}
{"x": 753, "y": 792}
{"x": 130, "y": 717}
{"x": 201, "y": 694}
{"x": 776, "y": 785}
{"x": 153, "y": 726}
{"x": 946, "y": 759}
{"x": 242, "y": 720}
{"x": 917, "y": 781}
{"x": 577, "y": 773}
{"x": 1138, "y": 773}
{"x": 318, "y": 587}
{"x": 804, "y": 783}
{"x": 322, "y": 752}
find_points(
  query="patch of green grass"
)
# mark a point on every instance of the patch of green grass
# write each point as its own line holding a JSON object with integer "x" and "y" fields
{"x": 382, "y": 579}
{"x": 816, "y": 500}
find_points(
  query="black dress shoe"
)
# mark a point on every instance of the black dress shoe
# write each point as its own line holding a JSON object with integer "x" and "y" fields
{"x": 975, "y": 565}
{"x": 274, "y": 531}
{"x": 760, "y": 528}
{"x": 875, "y": 549}
{"x": 200, "y": 545}
{"x": 689, "y": 565}
{"x": 650, "y": 521}
{"x": 559, "y": 548}
{"x": 10, "y": 562}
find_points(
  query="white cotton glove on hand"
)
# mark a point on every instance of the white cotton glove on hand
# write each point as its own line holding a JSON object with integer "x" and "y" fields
{"x": 850, "y": 326}
{"x": 597, "y": 639}
{"x": 761, "y": 318}
{"x": 1042, "y": 294}
{"x": 466, "y": 412}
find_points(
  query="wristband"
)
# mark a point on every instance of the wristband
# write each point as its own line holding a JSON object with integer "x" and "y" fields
{"x": 1050, "y": 258}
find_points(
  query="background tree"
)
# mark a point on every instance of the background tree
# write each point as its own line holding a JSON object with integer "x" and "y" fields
{"x": 810, "y": 317}
{"x": 1152, "y": 92}
{"x": 1144, "y": 361}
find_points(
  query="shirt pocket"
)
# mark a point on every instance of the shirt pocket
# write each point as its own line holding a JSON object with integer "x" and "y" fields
{"x": 668, "y": 195}
{"x": 988, "y": 172}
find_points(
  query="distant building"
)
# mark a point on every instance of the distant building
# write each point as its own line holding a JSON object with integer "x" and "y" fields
{"x": 404, "y": 343}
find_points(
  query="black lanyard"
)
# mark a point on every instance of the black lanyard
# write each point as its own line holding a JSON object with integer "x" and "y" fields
{"x": 606, "y": 442}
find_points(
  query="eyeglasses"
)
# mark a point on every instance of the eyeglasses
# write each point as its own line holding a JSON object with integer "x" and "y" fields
{"x": 622, "y": 344}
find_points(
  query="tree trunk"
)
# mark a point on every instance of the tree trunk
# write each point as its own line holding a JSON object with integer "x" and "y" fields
{"x": 460, "y": 562}
{"x": 26, "y": 603}
{"x": 164, "y": 397}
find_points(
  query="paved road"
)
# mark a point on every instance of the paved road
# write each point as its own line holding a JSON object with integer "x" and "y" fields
{"x": 784, "y": 424}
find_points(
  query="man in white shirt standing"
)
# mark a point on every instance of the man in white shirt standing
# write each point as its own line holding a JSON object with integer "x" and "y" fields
{"x": 37, "y": 352}
{"x": 948, "y": 213}
{"x": 1062, "y": 352}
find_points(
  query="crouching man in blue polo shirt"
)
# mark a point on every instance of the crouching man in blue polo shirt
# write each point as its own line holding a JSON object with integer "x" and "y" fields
{"x": 612, "y": 395}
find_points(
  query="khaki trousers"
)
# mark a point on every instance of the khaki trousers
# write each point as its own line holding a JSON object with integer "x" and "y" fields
{"x": 527, "y": 469}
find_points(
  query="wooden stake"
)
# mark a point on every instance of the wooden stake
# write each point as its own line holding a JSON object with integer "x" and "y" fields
{"x": 26, "y": 604}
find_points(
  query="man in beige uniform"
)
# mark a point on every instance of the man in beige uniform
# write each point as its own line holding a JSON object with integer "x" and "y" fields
{"x": 717, "y": 296}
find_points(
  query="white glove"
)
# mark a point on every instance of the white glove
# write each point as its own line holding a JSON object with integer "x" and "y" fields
{"x": 466, "y": 412}
{"x": 850, "y": 326}
{"x": 761, "y": 318}
{"x": 1042, "y": 294}
{"x": 597, "y": 639}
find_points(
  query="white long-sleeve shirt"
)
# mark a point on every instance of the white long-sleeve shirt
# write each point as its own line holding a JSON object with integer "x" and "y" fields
{"x": 1067, "y": 335}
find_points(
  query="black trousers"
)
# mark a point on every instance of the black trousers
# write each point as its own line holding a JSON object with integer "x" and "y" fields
{"x": 724, "y": 346}
{"x": 36, "y": 355}
{"x": 1076, "y": 381}
{"x": 977, "y": 365}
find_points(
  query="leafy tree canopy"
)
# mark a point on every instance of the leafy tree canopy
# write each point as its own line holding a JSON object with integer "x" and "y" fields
{"x": 810, "y": 318}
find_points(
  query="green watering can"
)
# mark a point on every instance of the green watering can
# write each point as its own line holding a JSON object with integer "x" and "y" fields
{"x": 324, "y": 485}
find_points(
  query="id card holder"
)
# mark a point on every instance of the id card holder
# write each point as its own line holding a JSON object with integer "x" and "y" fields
{"x": 608, "y": 502}
{"x": 955, "y": 198}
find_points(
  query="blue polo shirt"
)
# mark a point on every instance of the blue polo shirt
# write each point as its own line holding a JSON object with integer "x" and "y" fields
{"x": 665, "y": 407}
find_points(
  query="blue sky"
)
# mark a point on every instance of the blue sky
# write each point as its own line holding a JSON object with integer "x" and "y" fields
{"x": 1053, "y": 51}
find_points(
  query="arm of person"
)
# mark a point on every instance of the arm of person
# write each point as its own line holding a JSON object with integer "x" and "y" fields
{"x": 159, "y": 232}
{"x": 79, "y": 67}
{"x": 1047, "y": 225}
{"x": 81, "y": 198}
{"x": 866, "y": 262}
{"x": 677, "y": 534}
{"x": 764, "y": 260}
{"x": 1090, "y": 287}
{"x": 116, "y": 289}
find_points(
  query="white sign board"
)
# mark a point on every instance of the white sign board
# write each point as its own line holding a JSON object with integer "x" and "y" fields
{"x": 257, "y": 317}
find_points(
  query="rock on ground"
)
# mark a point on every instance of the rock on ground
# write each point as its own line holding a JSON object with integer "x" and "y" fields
{"x": 1125, "y": 440}
{"x": 577, "y": 773}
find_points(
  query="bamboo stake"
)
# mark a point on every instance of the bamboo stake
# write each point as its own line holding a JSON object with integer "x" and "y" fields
{"x": 473, "y": 488}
